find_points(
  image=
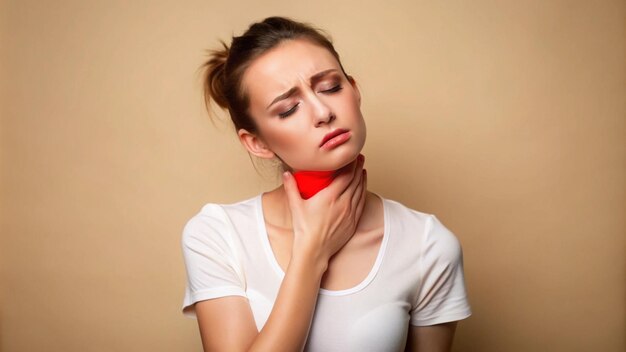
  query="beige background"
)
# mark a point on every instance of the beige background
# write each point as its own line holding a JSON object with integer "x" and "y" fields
{"x": 506, "y": 119}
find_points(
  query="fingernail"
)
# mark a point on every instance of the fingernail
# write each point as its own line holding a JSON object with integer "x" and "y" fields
{"x": 286, "y": 174}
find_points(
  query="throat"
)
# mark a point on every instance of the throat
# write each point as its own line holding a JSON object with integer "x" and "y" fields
{"x": 311, "y": 182}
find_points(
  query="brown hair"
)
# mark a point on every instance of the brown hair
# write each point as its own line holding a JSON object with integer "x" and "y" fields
{"x": 225, "y": 67}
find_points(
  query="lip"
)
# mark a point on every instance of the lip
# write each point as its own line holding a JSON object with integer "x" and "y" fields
{"x": 333, "y": 134}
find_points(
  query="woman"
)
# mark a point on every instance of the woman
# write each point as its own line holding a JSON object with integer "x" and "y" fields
{"x": 319, "y": 263}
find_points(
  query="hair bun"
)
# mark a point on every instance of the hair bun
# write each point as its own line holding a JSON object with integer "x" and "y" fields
{"x": 214, "y": 76}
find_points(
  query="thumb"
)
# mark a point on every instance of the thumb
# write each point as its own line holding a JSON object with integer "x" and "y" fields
{"x": 291, "y": 189}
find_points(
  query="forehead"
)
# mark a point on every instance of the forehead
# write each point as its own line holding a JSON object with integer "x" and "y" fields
{"x": 283, "y": 67}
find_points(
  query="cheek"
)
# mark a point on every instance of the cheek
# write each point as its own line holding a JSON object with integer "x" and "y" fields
{"x": 351, "y": 103}
{"x": 350, "y": 110}
{"x": 283, "y": 140}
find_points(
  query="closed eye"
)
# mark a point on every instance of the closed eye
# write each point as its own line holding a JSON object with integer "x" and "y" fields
{"x": 293, "y": 109}
{"x": 333, "y": 89}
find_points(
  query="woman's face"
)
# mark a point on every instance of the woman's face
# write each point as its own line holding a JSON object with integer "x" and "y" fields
{"x": 298, "y": 95}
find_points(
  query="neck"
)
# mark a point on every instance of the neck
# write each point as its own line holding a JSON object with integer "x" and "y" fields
{"x": 311, "y": 182}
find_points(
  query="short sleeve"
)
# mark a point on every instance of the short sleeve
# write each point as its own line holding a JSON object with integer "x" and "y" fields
{"x": 442, "y": 296}
{"x": 210, "y": 256}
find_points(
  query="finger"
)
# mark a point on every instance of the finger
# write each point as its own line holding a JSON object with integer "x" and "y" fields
{"x": 291, "y": 189}
{"x": 358, "y": 192}
{"x": 342, "y": 178}
{"x": 356, "y": 178}
{"x": 361, "y": 205}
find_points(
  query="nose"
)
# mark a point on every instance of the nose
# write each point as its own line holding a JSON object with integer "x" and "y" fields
{"x": 322, "y": 114}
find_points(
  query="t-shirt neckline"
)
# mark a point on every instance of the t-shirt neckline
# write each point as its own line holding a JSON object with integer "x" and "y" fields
{"x": 279, "y": 271}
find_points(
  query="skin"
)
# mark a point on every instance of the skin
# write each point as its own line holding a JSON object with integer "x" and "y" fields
{"x": 330, "y": 240}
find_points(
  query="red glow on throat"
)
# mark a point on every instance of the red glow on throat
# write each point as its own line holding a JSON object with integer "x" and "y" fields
{"x": 311, "y": 182}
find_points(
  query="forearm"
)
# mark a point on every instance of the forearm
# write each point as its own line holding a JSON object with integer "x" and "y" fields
{"x": 288, "y": 325}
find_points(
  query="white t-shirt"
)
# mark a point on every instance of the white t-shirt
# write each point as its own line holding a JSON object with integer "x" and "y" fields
{"x": 417, "y": 277}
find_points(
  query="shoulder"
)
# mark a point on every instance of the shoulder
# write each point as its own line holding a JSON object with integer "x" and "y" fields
{"x": 213, "y": 221}
{"x": 401, "y": 214}
{"x": 441, "y": 242}
{"x": 435, "y": 237}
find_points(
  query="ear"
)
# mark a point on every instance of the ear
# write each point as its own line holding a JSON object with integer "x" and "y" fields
{"x": 254, "y": 144}
{"x": 355, "y": 87}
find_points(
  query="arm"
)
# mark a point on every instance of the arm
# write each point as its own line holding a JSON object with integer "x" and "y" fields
{"x": 442, "y": 299}
{"x": 434, "y": 338}
{"x": 322, "y": 225}
{"x": 227, "y": 323}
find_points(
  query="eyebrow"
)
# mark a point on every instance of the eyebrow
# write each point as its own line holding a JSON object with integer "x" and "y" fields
{"x": 316, "y": 77}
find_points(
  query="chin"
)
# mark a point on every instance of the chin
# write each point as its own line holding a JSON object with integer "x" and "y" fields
{"x": 344, "y": 159}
